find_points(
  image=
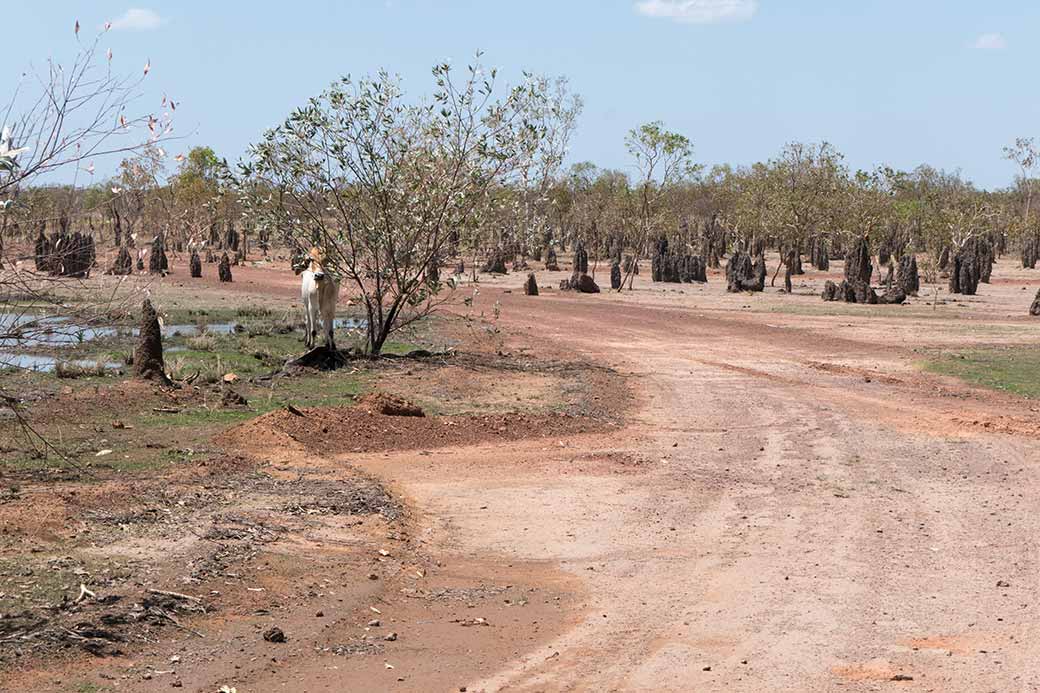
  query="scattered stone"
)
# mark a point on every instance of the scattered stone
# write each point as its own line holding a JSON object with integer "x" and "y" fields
{"x": 390, "y": 637}
{"x": 274, "y": 634}
{"x": 229, "y": 398}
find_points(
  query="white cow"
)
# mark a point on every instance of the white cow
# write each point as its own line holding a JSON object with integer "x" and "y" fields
{"x": 320, "y": 291}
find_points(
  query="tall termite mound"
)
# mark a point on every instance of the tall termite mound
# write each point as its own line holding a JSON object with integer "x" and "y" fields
{"x": 970, "y": 263}
{"x": 531, "y": 285}
{"x": 551, "y": 263}
{"x": 158, "y": 263}
{"x": 224, "y": 268}
{"x": 745, "y": 274}
{"x": 123, "y": 264}
{"x": 907, "y": 277}
{"x": 148, "y": 356}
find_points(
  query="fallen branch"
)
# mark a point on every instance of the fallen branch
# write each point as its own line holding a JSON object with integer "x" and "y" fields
{"x": 176, "y": 595}
{"x": 173, "y": 619}
{"x": 83, "y": 594}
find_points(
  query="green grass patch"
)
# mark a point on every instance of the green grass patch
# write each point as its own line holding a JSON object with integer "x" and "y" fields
{"x": 201, "y": 416}
{"x": 89, "y": 687}
{"x": 399, "y": 348}
{"x": 1009, "y": 369}
{"x": 320, "y": 390}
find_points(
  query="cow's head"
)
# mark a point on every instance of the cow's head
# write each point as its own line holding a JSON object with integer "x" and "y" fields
{"x": 316, "y": 263}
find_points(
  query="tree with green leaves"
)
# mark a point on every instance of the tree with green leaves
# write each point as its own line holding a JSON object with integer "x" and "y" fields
{"x": 664, "y": 159}
{"x": 380, "y": 184}
{"x": 1025, "y": 154}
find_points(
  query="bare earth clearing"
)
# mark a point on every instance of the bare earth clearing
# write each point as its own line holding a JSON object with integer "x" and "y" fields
{"x": 768, "y": 494}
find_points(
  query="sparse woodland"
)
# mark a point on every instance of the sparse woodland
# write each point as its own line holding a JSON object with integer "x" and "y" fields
{"x": 402, "y": 188}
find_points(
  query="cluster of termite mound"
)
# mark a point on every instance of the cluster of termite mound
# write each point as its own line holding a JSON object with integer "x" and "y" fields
{"x": 64, "y": 254}
{"x": 668, "y": 265}
{"x": 580, "y": 280}
{"x": 856, "y": 287}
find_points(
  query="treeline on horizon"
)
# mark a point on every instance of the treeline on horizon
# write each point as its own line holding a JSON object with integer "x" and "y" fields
{"x": 804, "y": 198}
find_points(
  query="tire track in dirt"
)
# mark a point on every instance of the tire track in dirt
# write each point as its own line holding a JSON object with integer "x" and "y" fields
{"x": 804, "y": 527}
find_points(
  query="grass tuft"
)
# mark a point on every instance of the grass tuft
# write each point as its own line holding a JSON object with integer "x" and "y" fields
{"x": 1015, "y": 370}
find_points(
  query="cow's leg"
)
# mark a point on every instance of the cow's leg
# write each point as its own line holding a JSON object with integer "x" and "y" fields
{"x": 328, "y": 319}
{"x": 314, "y": 320}
{"x": 309, "y": 327}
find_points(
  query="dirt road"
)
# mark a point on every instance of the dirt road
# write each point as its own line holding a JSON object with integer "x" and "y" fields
{"x": 809, "y": 511}
{"x": 792, "y": 504}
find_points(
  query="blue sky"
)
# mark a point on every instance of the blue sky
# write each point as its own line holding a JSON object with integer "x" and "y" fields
{"x": 947, "y": 82}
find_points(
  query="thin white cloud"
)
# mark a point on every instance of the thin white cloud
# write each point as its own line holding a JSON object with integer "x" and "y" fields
{"x": 991, "y": 42}
{"x": 137, "y": 19}
{"x": 699, "y": 11}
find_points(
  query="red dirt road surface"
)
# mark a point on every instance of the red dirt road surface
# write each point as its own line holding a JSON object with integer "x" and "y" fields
{"x": 790, "y": 505}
